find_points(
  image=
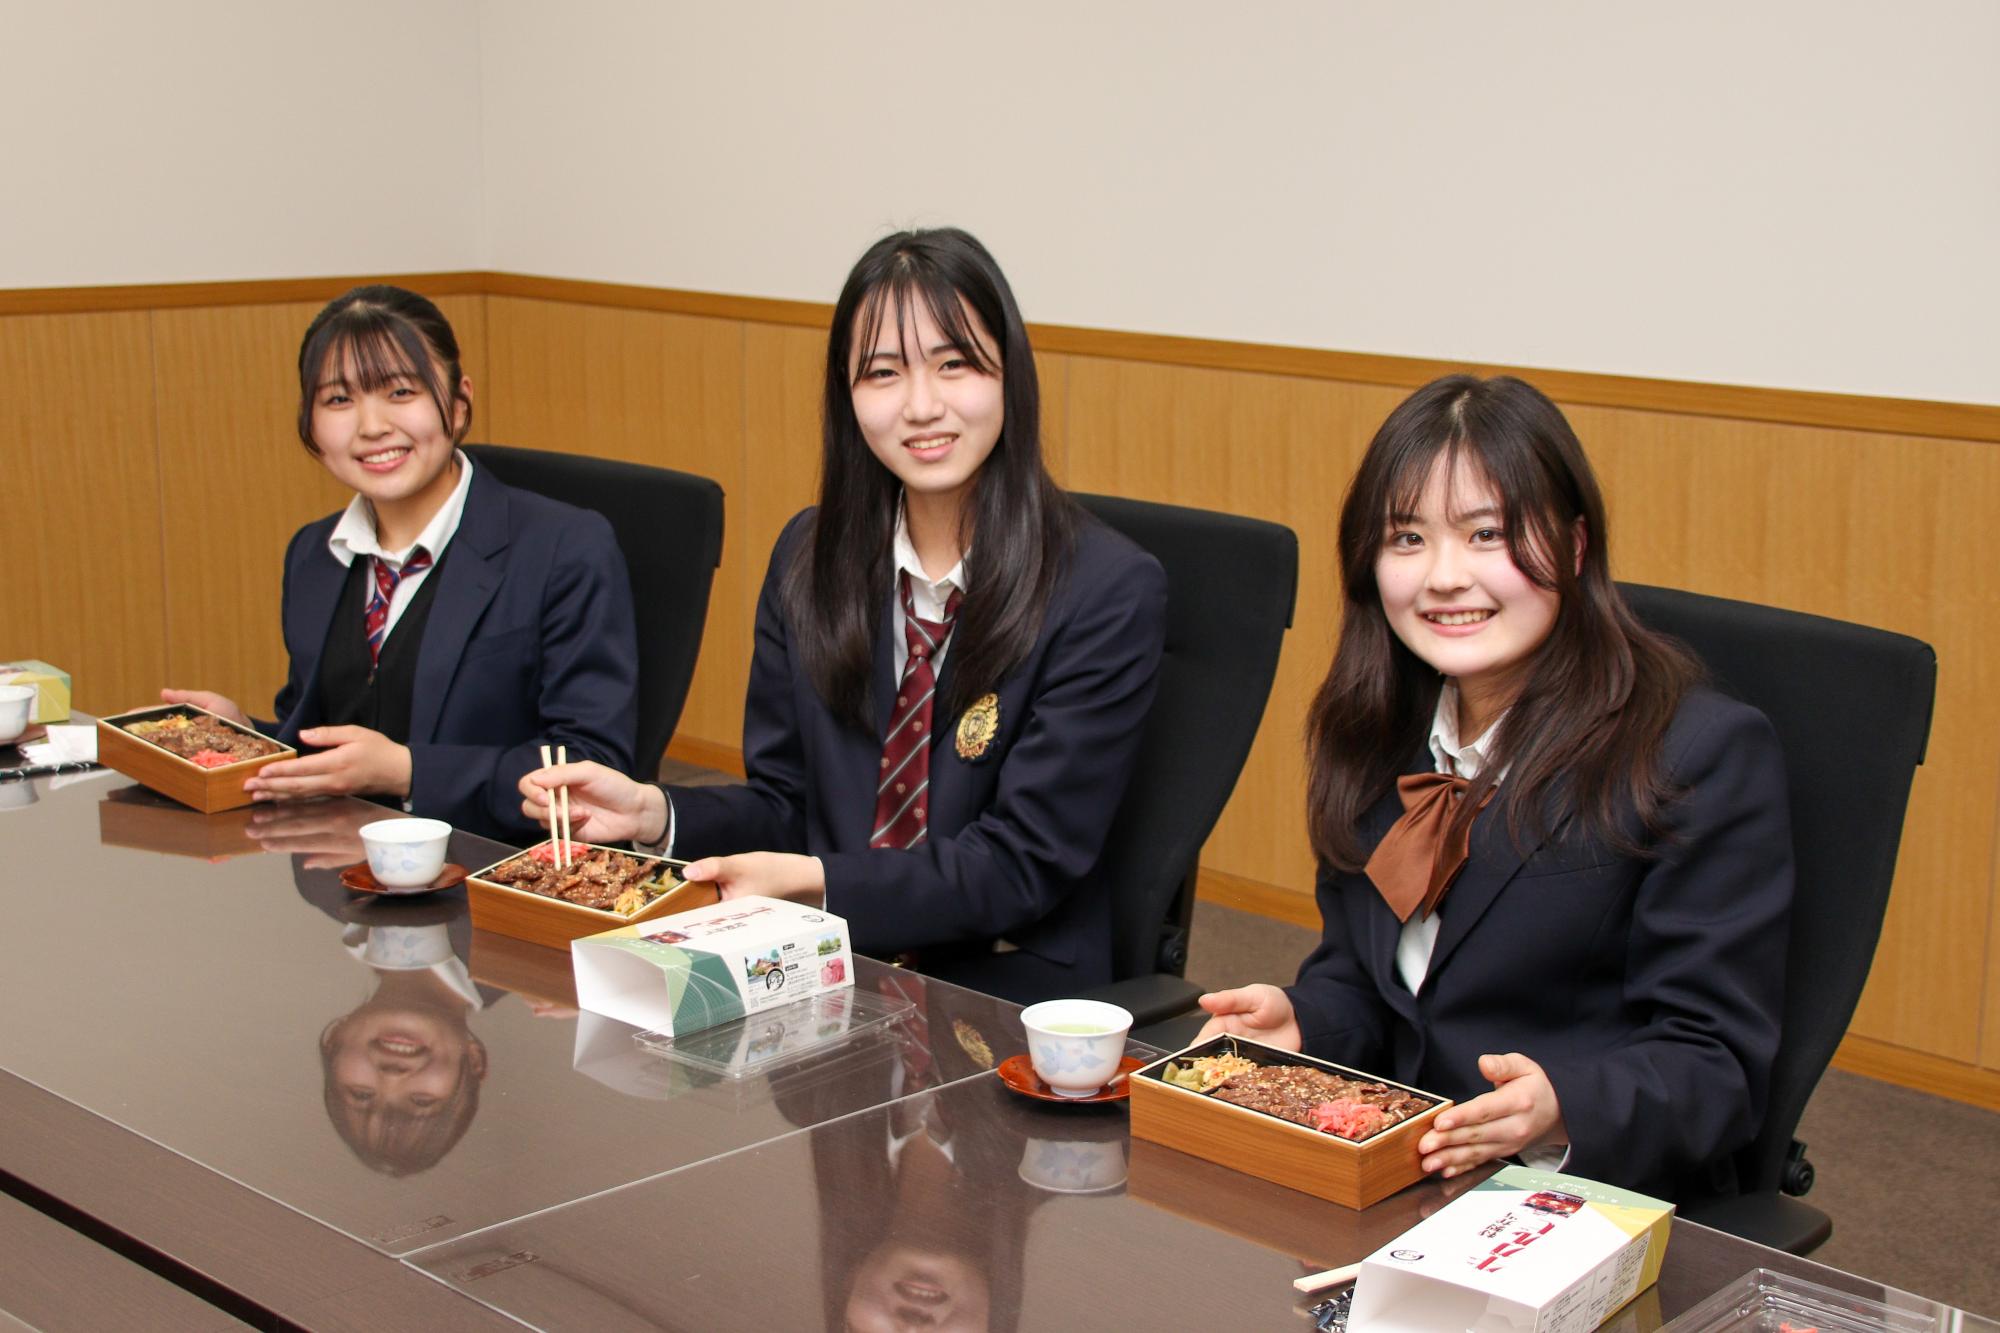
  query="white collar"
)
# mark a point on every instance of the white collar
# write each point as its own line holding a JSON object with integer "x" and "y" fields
{"x": 920, "y": 583}
{"x": 1446, "y": 752}
{"x": 354, "y": 535}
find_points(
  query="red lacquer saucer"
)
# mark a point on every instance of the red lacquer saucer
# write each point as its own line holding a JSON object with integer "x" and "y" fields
{"x": 362, "y": 880}
{"x": 1018, "y": 1073}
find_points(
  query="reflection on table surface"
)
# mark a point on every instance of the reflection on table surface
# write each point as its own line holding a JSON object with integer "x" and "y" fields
{"x": 381, "y": 1067}
{"x": 970, "y": 1207}
{"x": 375, "y": 1064}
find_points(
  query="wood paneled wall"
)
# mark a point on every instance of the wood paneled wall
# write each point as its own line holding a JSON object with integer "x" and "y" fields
{"x": 158, "y": 442}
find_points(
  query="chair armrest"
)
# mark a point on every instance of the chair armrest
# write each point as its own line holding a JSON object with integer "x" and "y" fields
{"x": 1773, "y": 1219}
{"x": 1149, "y": 998}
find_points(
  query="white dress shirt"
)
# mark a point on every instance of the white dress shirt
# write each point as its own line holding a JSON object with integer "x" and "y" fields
{"x": 929, "y": 597}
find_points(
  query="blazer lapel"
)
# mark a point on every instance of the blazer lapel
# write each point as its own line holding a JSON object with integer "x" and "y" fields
{"x": 1494, "y": 861}
{"x": 940, "y": 724}
{"x": 315, "y": 587}
{"x": 468, "y": 579}
{"x": 885, "y": 672}
{"x": 1385, "y": 932}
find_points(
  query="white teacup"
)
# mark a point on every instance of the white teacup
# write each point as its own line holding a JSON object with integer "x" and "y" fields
{"x": 17, "y": 704}
{"x": 406, "y": 853}
{"x": 1075, "y": 1045}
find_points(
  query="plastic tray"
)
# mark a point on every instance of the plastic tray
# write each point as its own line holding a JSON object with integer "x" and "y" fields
{"x": 770, "y": 1039}
{"x": 1767, "y": 1302}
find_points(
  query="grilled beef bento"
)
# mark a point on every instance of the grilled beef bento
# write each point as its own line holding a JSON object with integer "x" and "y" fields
{"x": 595, "y": 877}
{"x": 201, "y": 739}
{"x": 1350, "y": 1108}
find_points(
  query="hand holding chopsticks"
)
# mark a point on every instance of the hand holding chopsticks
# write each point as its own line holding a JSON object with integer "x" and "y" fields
{"x": 601, "y": 803}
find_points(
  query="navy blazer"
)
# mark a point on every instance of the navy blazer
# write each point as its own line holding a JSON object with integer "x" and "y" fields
{"x": 1015, "y": 831}
{"x": 1650, "y": 990}
{"x": 531, "y": 640}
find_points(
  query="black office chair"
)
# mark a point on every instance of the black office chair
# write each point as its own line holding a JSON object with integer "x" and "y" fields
{"x": 1852, "y": 709}
{"x": 669, "y": 527}
{"x": 1231, "y": 583}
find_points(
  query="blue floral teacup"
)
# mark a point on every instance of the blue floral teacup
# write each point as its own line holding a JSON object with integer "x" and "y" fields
{"x": 406, "y": 853}
{"x": 1075, "y": 1045}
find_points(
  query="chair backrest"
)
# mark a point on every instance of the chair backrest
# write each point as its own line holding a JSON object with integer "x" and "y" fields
{"x": 1231, "y": 583}
{"x": 1852, "y": 709}
{"x": 669, "y": 527}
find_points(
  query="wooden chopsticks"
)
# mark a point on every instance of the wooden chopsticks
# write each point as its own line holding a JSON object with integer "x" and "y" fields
{"x": 559, "y": 808}
{"x": 1332, "y": 1277}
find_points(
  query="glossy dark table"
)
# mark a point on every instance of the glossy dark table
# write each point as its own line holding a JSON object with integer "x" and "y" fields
{"x": 969, "y": 1207}
{"x": 186, "y": 1009}
{"x": 186, "y": 1090}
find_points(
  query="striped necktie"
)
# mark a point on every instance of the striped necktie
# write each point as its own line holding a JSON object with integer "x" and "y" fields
{"x": 386, "y": 580}
{"x": 902, "y": 797}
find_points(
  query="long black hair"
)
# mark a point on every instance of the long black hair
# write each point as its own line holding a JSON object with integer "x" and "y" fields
{"x": 1582, "y": 740}
{"x": 838, "y": 586}
{"x": 383, "y": 334}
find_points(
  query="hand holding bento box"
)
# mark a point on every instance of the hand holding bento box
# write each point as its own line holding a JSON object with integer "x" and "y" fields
{"x": 1521, "y": 1111}
{"x": 351, "y": 761}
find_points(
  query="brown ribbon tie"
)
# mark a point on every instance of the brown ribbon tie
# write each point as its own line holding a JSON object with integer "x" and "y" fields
{"x": 1421, "y": 855}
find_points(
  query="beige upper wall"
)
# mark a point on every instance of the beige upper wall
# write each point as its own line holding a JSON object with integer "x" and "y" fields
{"x": 1793, "y": 193}
{"x": 1798, "y": 193}
{"x": 214, "y": 139}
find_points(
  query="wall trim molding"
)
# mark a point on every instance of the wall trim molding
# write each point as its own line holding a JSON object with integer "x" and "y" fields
{"x": 1796, "y": 407}
{"x": 258, "y": 291}
{"x": 1872, "y": 1058}
{"x": 706, "y": 754}
{"x": 1258, "y": 898}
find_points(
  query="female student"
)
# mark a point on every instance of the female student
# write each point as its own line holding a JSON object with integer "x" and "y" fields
{"x": 1551, "y": 862}
{"x": 444, "y": 626}
{"x": 952, "y": 659}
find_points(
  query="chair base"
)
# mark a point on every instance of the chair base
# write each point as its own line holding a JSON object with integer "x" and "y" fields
{"x": 1773, "y": 1219}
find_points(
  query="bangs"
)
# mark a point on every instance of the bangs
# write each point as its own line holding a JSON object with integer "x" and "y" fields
{"x": 375, "y": 349}
{"x": 1410, "y": 468}
{"x": 910, "y": 283}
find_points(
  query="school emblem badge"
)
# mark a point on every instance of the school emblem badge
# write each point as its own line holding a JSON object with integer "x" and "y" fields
{"x": 978, "y": 727}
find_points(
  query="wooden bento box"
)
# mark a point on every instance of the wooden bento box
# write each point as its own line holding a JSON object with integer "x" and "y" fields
{"x": 208, "y": 790}
{"x": 540, "y": 919}
{"x": 1259, "y": 1143}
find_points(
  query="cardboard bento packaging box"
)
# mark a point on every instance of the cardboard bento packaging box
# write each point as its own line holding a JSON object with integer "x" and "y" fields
{"x": 697, "y": 969}
{"x": 1355, "y": 1171}
{"x": 210, "y": 783}
{"x": 51, "y": 686}
{"x": 1528, "y": 1250}
{"x": 508, "y": 909}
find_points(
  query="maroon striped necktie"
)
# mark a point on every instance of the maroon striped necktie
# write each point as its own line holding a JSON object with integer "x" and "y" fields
{"x": 902, "y": 797}
{"x": 386, "y": 580}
